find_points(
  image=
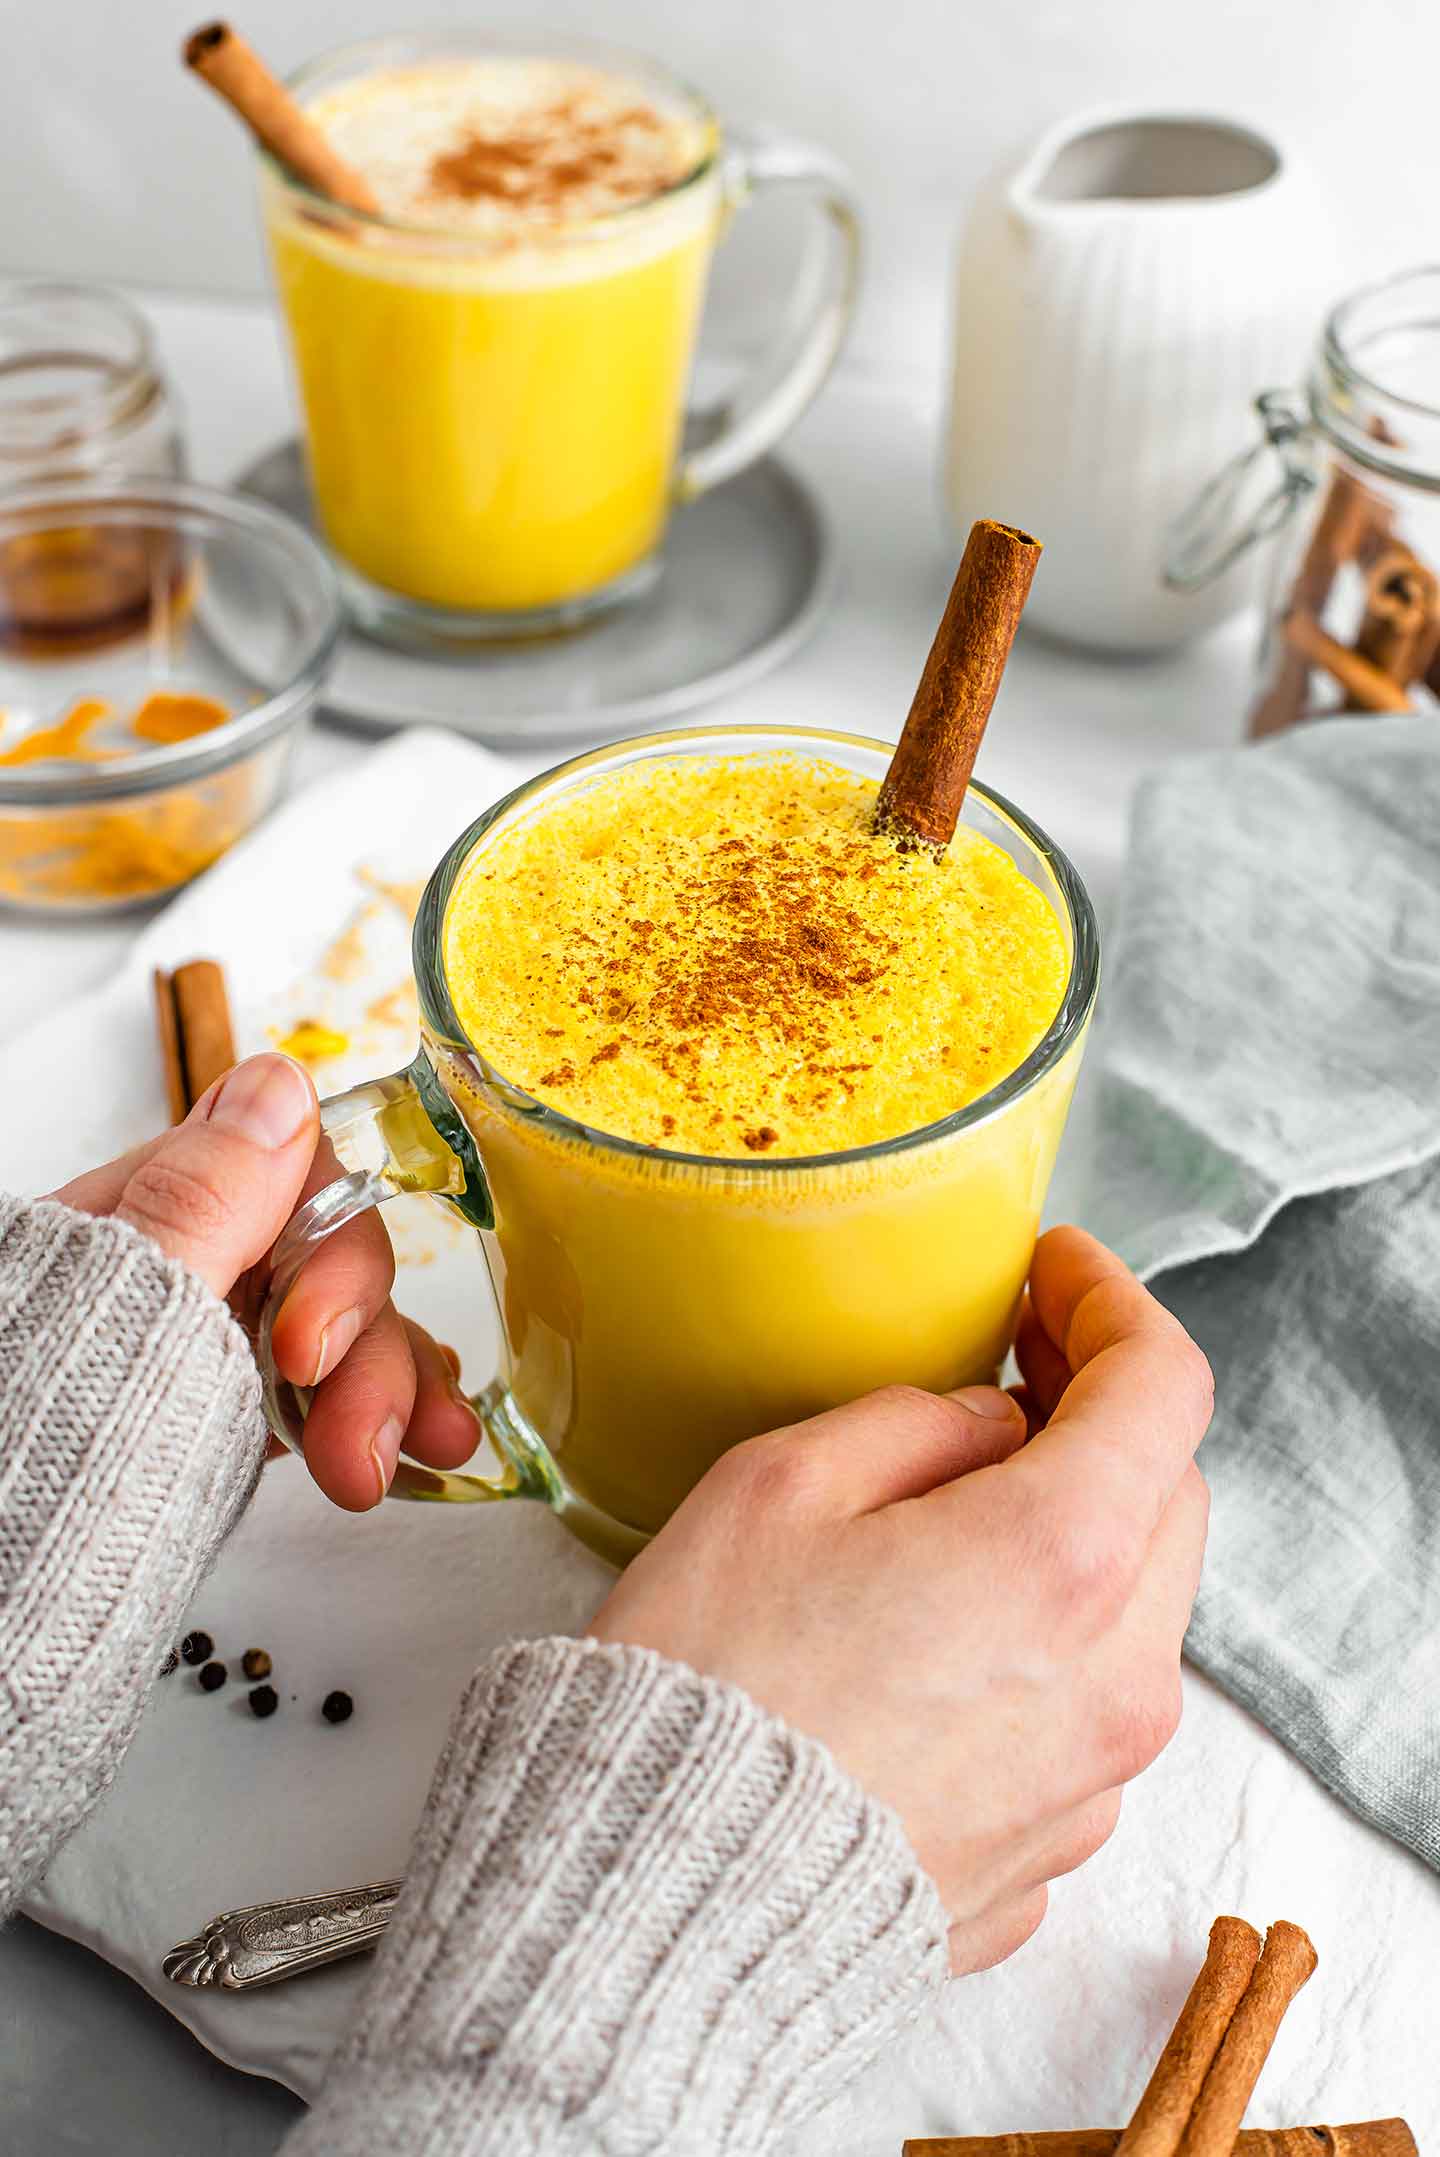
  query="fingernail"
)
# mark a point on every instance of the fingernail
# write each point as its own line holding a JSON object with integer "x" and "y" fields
{"x": 336, "y": 1340}
{"x": 458, "y": 1393}
{"x": 450, "y": 1357}
{"x": 987, "y": 1401}
{"x": 266, "y": 1101}
{"x": 385, "y": 1452}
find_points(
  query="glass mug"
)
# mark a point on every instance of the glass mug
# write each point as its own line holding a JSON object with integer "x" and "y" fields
{"x": 658, "y": 1307}
{"x": 493, "y": 430}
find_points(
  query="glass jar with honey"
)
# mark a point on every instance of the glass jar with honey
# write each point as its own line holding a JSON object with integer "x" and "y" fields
{"x": 82, "y": 397}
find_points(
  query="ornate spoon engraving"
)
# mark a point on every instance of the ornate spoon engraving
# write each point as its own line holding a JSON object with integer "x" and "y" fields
{"x": 274, "y": 1940}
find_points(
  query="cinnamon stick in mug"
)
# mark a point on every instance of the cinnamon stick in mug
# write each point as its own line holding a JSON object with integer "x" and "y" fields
{"x": 1362, "y": 2138}
{"x": 924, "y": 789}
{"x": 238, "y": 74}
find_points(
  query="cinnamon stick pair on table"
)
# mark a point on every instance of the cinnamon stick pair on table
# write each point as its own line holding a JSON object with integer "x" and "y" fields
{"x": 1363, "y": 2138}
{"x": 1196, "y": 2098}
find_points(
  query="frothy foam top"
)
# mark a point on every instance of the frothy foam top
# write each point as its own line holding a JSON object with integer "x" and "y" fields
{"x": 508, "y": 146}
{"x": 722, "y": 958}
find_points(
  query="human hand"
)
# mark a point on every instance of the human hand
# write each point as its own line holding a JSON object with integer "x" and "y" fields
{"x": 985, "y": 1632}
{"x": 215, "y": 1193}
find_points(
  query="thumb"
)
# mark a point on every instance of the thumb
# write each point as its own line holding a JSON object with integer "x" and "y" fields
{"x": 217, "y": 1190}
{"x": 903, "y": 1443}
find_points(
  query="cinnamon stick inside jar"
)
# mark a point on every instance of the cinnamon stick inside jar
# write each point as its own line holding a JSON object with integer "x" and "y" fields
{"x": 1164, "y": 2111}
{"x": 1400, "y": 632}
{"x": 1367, "y": 688}
{"x": 1362, "y": 2138}
{"x": 924, "y": 789}
{"x": 237, "y": 73}
{"x": 1346, "y": 526}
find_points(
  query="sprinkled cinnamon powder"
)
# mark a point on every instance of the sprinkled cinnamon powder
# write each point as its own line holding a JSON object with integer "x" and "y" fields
{"x": 736, "y": 965}
{"x": 548, "y": 156}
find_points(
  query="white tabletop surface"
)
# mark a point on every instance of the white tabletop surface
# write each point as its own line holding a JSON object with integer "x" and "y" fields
{"x": 86, "y": 2061}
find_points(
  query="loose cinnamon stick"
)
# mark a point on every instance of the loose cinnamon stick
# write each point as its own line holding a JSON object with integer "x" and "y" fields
{"x": 1400, "y": 632}
{"x": 1367, "y": 688}
{"x": 172, "y": 1056}
{"x": 920, "y": 801}
{"x": 1362, "y": 2138}
{"x": 1287, "y": 1961}
{"x": 1163, "y": 2113}
{"x": 238, "y": 74}
{"x": 197, "y": 1040}
{"x": 1342, "y": 530}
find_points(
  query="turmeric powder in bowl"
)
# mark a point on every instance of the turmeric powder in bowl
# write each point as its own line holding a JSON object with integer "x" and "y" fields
{"x": 128, "y": 766}
{"x": 85, "y": 856}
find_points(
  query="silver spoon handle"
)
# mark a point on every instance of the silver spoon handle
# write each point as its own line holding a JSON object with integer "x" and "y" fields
{"x": 274, "y": 1940}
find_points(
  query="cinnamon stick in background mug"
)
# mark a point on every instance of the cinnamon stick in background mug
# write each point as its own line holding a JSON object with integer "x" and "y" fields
{"x": 237, "y": 73}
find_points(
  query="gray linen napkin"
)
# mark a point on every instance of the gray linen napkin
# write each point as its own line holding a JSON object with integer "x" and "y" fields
{"x": 1269, "y": 1159}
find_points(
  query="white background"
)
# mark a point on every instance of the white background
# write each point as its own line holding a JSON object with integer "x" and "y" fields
{"x": 114, "y": 165}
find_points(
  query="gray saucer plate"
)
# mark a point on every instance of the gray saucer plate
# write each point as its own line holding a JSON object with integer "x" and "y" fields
{"x": 748, "y": 573}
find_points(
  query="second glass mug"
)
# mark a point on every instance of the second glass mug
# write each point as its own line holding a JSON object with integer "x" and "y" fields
{"x": 493, "y": 431}
{"x": 656, "y": 1307}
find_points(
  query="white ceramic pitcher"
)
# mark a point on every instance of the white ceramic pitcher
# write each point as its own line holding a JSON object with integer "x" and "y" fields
{"x": 1118, "y": 301}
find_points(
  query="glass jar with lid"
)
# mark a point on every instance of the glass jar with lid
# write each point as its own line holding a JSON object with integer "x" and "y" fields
{"x": 82, "y": 395}
{"x": 1347, "y": 478}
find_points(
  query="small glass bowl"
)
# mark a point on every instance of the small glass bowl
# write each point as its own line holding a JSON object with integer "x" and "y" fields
{"x": 114, "y": 594}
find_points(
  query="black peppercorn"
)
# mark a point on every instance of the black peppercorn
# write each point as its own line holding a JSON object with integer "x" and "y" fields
{"x": 256, "y": 1663}
{"x": 171, "y": 1662}
{"x": 337, "y": 1707}
{"x": 212, "y": 1677}
{"x": 196, "y": 1648}
{"x": 264, "y": 1700}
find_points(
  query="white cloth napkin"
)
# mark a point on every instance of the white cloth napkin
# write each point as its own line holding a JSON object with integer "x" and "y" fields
{"x": 215, "y": 1810}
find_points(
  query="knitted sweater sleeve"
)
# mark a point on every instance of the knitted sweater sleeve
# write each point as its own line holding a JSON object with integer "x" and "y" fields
{"x": 642, "y": 1918}
{"x": 130, "y": 1441}
{"x": 641, "y": 1915}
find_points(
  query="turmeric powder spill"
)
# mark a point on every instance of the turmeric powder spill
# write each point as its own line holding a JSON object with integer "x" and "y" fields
{"x": 720, "y": 957}
{"x": 311, "y": 1041}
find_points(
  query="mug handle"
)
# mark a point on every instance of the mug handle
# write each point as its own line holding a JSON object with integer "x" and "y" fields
{"x": 394, "y": 1135}
{"x": 788, "y": 379}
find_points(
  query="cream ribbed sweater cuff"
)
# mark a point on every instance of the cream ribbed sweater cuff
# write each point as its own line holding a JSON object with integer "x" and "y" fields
{"x": 130, "y": 1440}
{"x": 642, "y": 1915}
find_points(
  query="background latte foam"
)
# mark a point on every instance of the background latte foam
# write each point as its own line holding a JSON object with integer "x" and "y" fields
{"x": 509, "y": 145}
